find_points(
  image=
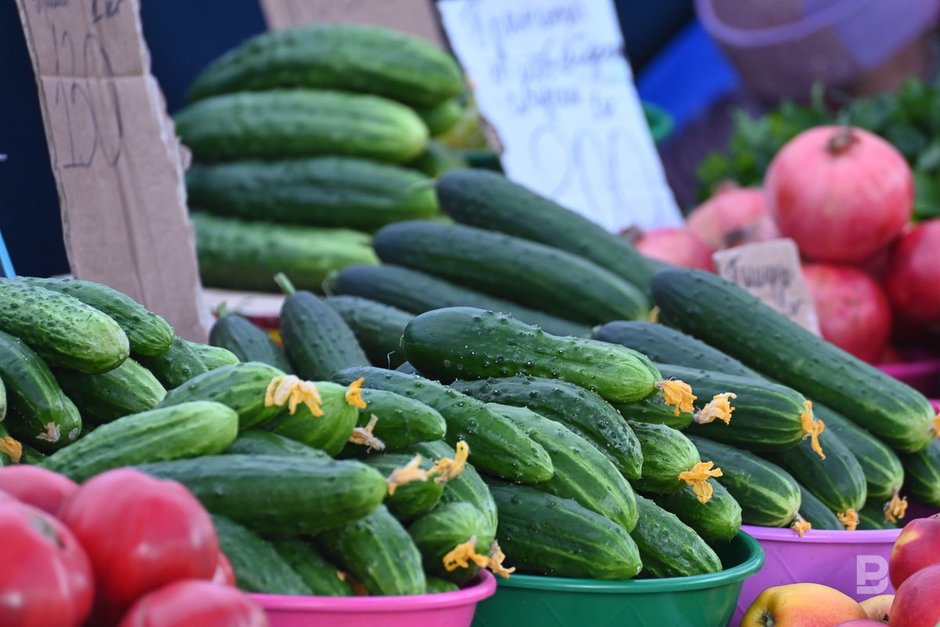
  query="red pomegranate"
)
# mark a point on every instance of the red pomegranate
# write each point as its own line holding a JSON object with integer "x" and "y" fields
{"x": 731, "y": 217}
{"x": 677, "y": 246}
{"x": 913, "y": 278}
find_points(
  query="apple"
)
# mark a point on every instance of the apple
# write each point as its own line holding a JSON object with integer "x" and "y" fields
{"x": 917, "y": 601}
{"x": 879, "y": 607}
{"x": 917, "y": 546}
{"x": 677, "y": 246}
{"x": 802, "y": 605}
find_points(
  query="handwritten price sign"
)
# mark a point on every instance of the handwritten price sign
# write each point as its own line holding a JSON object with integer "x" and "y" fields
{"x": 551, "y": 78}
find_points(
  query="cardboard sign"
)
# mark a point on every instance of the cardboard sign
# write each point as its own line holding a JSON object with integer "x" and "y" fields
{"x": 115, "y": 156}
{"x": 551, "y": 78}
{"x": 771, "y": 271}
{"x": 410, "y": 16}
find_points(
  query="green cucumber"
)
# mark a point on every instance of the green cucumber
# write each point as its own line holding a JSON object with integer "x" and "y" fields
{"x": 317, "y": 341}
{"x": 715, "y": 311}
{"x": 39, "y": 412}
{"x": 61, "y": 329}
{"x": 582, "y": 411}
{"x": 11, "y": 450}
{"x": 497, "y": 447}
{"x": 531, "y": 274}
{"x": 248, "y": 342}
{"x": 328, "y": 432}
{"x": 922, "y": 474}
{"x": 491, "y": 201}
{"x": 379, "y": 552}
{"x": 767, "y": 416}
{"x": 669, "y": 547}
{"x": 246, "y": 255}
{"x": 176, "y": 366}
{"x": 467, "y": 343}
{"x": 322, "y": 577}
{"x": 815, "y": 512}
{"x": 884, "y": 474}
{"x": 582, "y": 473}
{"x": 286, "y": 124}
{"x": 414, "y": 499}
{"x": 377, "y": 327}
{"x": 837, "y": 480}
{"x": 653, "y": 410}
{"x": 666, "y": 345}
{"x": 436, "y": 586}
{"x": 147, "y": 333}
{"x": 167, "y": 433}
{"x": 401, "y": 421}
{"x": 441, "y": 117}
{"x": 718, "y": 520}
{"x": 417, "y": 292}
{"x": 872, "y": 516}
{"x": 436, "y": 534}
{"x": 213, "y": 357}
{"x": 666, "y": 455}
{"x": 768, "y": 495}
{"x": 241, "y": 387}
{"x": 266, "y": 443}
{"x": 543, "y": 534}
{"x": 336, "y": 56}
{"x": 278, "y": 496}
{"x": 436, "y": 160}
{"x": 467, "y": 487}
{"x": 257, "y": 565}
{"x": 338, "y": 192}
{"x": 128, "y": 389}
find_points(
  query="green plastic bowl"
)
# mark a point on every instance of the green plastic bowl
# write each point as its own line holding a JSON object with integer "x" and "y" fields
{"x": 702, "y": 600}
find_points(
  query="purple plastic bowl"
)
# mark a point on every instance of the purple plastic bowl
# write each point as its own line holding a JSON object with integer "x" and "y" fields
{"x": 445, "y": 609}
{"x": 922, "y": 375}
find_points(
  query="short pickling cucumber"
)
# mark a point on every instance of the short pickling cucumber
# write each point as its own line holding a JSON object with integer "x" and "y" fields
{"x": 401, "y": 421}
{"x": 168, "y": 433}
{"x": 730, "y": 319}
{"x": 417, "y": 292}
{"x": 329, "y": 432}
{"x": 543, "y": 534}
{"x": 39, "y": 412}
{"x": 322, "y": 577}
{"x": 241, "y": 387}
{"x": 467, "y": 487}
{"x": 176, "y": 366}
{"x": 669, "y": 547}
{"x": 582, "y": 411}
{"x": 718, "y": 520}
{"x": 768, "y": 495}
{"x": 837, "y": 481}
{"x": 279, "y": 496}
{"x": 872, "y": 516}
{"x": 317, "y": 340}
{"x": 653, "y": 410}
{"x": 213, "y": 357}
{"x": 436, "y": 160}
{"x": 377, "y": 327}
{"x": 436, "y": 585}
{"x": 922, "y": 474}
{"x": 815, "y": 512}
{"x": 666, "y": 455}
{"x": 414, "y": 499}
{"x": 438, "y": 533}
{"x": 468, "y": 343}
{"x": 441, "y": 117}
{"x": 582, "y": 473}
{"x": 258, "y": 566}
{"x": 766, "y": 417}
{"x": 246, "y": 341}
{"x": 148, "y": 333}
{"x": 379, "y": 552}
{"x": 62, "y": 330}
{"x": 128, "y": 389}
{"x": 254, "y": 442}
{"x": 497, "y": 446}
{"x": 884, "y": 474}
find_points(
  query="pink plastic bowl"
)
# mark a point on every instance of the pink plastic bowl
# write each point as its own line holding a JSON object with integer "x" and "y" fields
{"x": 445, "y": 609}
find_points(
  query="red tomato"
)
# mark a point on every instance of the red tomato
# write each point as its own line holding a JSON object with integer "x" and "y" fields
{"x": 224, "y": 573}
{"x": 37, "y": 486}
{"x": 193, "y": 602}
{"x": 45, "y": 576}
{"x": 141, "y": 533}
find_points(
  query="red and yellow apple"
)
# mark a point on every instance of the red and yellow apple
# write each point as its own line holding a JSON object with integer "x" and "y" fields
{"x": 802, "y": 605}
{"x": 917, "y": 546}
{"x": 879, "y": 607}
{"x": 917, "y": 601}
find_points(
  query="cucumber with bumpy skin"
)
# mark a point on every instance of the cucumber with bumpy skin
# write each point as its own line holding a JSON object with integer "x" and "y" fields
{"x": 815, "y": 512}
{"x": 437, "y": 533}
{"x": 436, "y": 585}
{"x": 653, "y": 410}
{"x": 265, "y": 443}
{"x": 213, "y": 357}
{"x": 669, "y": 547}
{"x": 666, "y": 455}
{"x": 128, "y": 389}
{"x": 377, "y": 327}
{"x": 400, "y": 421}
{"x": 329, "y": 432}
{"x": 872, "y": 516}
{"x": 249, "y": 343}
{"x": 922, "y": 472}
{"x": 414, "y": 499}
{"x": 323, "y": 578}
{"x": 176, "y": 366}
{"x": 718, "y": 520}
{"x": 441, "y": 117}
{"x": 257, "y": 565}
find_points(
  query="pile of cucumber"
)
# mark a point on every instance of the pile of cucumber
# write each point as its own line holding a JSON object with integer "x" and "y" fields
{"x": 305, "y": 141}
